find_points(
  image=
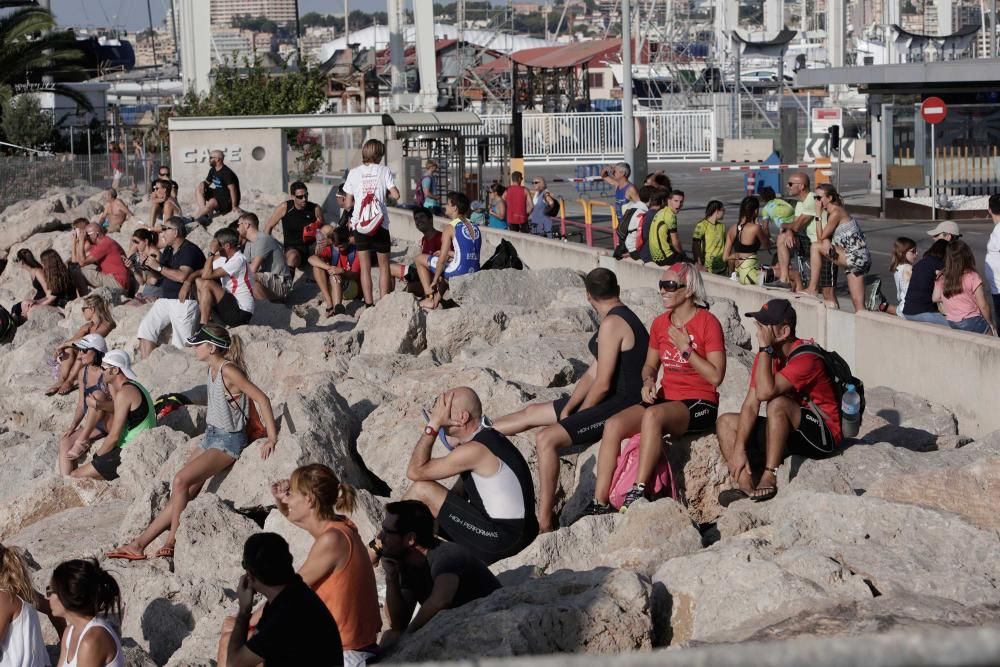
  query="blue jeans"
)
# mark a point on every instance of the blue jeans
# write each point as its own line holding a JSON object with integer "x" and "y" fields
{"x": 928, "y": 318}
{"x": 974, "y": 324}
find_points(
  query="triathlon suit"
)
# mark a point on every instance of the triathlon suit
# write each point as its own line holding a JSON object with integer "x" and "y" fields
{"x": 517, "y": 216}
{"x": 293, "y": 225}
{"x": 138, "y": 420}
{"x": 465, "y": 249}
{"x": 588, "y": 425}
{"x": 496, "y": 518}
{"x": 748, "y": 268}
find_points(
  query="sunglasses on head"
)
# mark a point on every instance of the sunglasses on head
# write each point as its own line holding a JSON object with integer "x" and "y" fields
{"x": 671, "y": 285}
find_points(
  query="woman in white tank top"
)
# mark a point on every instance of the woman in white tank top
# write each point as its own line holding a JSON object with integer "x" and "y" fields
{"x": 21, "y": 643}
{"x": 84, "y": 594}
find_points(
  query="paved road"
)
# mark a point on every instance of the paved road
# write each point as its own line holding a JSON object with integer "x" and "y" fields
{"x": 728, "y": 187}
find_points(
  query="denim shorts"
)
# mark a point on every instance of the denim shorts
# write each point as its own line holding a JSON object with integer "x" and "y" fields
{"x": 225, "y": 441}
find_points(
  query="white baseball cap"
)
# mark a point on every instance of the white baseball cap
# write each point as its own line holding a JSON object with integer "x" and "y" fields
{"x": 945, "y": 227}
{"x": 92, "y": 342}
{"x": 120, "y": 359}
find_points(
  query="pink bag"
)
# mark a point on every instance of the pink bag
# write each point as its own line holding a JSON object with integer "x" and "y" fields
{"x": 628, "y": 467}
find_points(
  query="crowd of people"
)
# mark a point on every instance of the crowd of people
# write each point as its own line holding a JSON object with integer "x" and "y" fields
{"x": 435, "y": 546}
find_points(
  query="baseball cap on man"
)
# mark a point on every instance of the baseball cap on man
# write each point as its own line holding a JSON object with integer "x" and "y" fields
{"x": 945, "y": 227}
{"x": 92, "y": 342}
{"x": 120, "y": 359}
{"x": 775, "y": 311}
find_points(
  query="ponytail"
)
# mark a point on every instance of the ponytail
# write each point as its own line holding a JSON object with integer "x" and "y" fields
{"x": 347, "y": 500}
{"x": 329, "y": 493}
{"x": 87, "y": 589}
{"x": 235, "y": 354}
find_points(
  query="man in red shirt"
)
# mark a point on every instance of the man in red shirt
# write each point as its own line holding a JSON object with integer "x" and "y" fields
{"x": 336, "y": 268}
{"x": 430, "y": 245}
{"x": 518, "y": 203}
{"x": 102, "y": 264}
{"x": 803, "y": 416}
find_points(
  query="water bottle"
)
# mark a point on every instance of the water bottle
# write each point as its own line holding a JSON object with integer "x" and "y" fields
{"x": 734, "y": 276}
{"x": 850, "y": 412}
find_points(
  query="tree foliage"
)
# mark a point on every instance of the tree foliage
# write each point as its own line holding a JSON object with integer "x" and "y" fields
{"x": 254, "y": 23}
{"x": 25, "y": 123}
{"x": 253, "y": 90}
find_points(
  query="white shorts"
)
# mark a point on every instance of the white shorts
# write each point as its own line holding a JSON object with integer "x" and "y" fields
{"x": 181, "y": 317}
{"x": 357, "y": 658}
{"x": 275, "y": 286}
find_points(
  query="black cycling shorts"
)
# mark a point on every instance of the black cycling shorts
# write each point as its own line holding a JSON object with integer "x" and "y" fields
{"x": 106, "y": 465}
{"x": 229, "y": 311}
{"x": 488, "y": 539}
{"x": 380, "y": 241}
{"x": 702, "y": 414}
{"x": 812, "y": 439}
{"x": 586, "y": 426}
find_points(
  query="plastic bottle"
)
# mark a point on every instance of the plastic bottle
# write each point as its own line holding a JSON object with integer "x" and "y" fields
{"x": 850, "y": 412}
{"x": 734, "y": 276}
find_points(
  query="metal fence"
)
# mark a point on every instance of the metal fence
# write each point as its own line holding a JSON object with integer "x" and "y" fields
{"x": 27, "y": 177}
{"x": 582, "y": 138}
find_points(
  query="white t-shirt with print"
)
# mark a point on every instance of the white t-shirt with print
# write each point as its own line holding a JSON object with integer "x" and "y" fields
{"x": 992, "y": 271}
{"x": 366, "y": 178}
{"x": 238, "y": 281}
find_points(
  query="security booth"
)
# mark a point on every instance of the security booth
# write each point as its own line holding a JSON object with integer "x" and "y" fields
{"x": 461, "y": 156}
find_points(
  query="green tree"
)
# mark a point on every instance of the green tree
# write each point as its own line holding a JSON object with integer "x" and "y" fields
{"x": 254, "y": 23}
{"x": 33, "y": 52}
{"x": 25, "y": 123}
{"x": 253, "y": 90}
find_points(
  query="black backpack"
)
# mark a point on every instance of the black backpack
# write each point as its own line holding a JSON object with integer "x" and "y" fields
{"x": 837, "y": 370}
{"x": 505, "y": 257}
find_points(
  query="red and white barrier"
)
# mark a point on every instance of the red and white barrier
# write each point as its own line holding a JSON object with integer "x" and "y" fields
{"x": 767, "y": 167}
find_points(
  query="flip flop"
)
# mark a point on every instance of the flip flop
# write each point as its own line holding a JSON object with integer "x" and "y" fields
{"x": 165, "y": 552}
{"x": 764, "y": 493}
{"x": 730, "y": 496}
{"x": 124, "y": 555}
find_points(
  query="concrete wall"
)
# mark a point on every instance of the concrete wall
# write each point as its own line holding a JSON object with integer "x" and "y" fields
{"x": 259, "y": 157}
{"x": 958, "y": 370}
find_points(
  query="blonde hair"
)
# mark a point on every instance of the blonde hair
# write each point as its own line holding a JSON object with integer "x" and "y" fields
{"x": 331, "y": 495}
{"x": 695, "y": 285}
{"x": 372, "y": 152}
{"x": 14, "y": 576}
{"x": 101, "y": 309}
{"x": 235, "y": 353}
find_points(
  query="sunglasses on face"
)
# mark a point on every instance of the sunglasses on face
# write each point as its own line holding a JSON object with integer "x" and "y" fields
{"x": 671, "y": 285}
{"x": 791, "y": 183}
{"x": 49, "y": 591}
{"x": 302, "y": 196}
{"x": 817, "y": 197}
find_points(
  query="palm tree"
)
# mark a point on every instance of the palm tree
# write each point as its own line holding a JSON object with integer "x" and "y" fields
{"x": 34, "y": 56}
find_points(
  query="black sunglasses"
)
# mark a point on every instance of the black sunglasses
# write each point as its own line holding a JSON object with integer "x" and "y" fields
{"x": 301, "y": 196}
{"x": 791, "y": 183}
{"x": 817, "y": 197}
{"x": 671, "y": 285}
{"x": 49, "y": 591}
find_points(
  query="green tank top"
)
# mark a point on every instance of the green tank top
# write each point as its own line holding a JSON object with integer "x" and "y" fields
{"x": 140, "y": 419}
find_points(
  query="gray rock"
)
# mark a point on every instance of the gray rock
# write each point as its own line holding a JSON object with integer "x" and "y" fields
{"x": 602, "y": 611}
{"x": 542, "y": 366}
{"x": 509, "y": 287}
{"x": 145, "y": 456}
{"x": 79, "y": 532}
{"x": 395, "y": 325}
{"x": 210, "y": 541}
{"x": 451, "y": 330}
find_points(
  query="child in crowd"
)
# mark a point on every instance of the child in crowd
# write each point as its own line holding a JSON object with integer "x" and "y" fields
{"x": 904, "y": 256}
{"x": 961, "y": 292}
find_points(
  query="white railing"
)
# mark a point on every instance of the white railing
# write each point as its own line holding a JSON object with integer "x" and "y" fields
{"x": 572, "y": 138}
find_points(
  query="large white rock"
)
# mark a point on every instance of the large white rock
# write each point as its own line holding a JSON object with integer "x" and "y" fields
{"x": 395, "y": 325}
{"x": 450, "y": 330}
{"x": 535, "y": 290}
{"x": 540, "y": 365}
{"x": 603, "y": 611}
{"x": 210, "y": 540}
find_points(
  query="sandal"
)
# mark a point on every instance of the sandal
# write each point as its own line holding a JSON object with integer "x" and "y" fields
{"x": 123, "y": 554}
{"x": 166, "y": 551}
{"x": 763, "y": 493}
{"x": 730, "y": 496}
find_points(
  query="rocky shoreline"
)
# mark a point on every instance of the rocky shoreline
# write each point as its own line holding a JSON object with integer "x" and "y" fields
{"x": 898, "y": 533}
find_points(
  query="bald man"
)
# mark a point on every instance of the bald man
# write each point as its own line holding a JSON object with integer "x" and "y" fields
{"x": 102, "y": 263}
{"x": 115, "y": 211}
{"x": 491, "y": 510}
{"x": 219, "y": 193}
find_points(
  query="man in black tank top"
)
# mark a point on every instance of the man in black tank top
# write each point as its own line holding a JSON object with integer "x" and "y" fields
{"x": 491, "y": 510}
{"x": 300, "y": 219}
{"x": 606, "y": 389}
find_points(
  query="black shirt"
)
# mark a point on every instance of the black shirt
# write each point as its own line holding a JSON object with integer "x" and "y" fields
{"x": 219, "y": 180}
{"x": 474, "y": 579}
{"x": 295, "y": 221}
{"x": 297, "y": 629}
{"x": 187, "y": 255}
{"x": 919, "y": 295}
{"x": 627, "y": 380}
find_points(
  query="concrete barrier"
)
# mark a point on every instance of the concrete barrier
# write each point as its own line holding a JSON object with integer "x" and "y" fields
{"x": 956, "y": 369}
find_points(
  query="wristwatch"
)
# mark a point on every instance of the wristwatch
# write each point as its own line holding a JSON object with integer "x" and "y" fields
{"x": 430, "y": 430}
{"x": 768, "y": 349}
{"x": 686, "y": 354}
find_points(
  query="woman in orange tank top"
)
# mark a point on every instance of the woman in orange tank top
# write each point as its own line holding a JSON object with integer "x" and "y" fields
{"x": 338, "y": 567}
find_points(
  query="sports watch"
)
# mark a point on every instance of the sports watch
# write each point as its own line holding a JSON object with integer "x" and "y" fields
{"x": 768, "y": 349}
{"x": 430, "y": 430}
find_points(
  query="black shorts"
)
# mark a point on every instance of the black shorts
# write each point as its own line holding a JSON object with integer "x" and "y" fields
{"x": 522, "y": 227}
{"x": 305, "y": 251}
{"x": 702, "y": 414}
{"x": 379, "y": 242}
{"x": 588, "y": 425}
{"x": 488, "y": 539}
{"x": 223, "y": 205}
{"x": 229, "y": 311}
{"x": 106, "y": 465}
{"x": 812, "y": 439}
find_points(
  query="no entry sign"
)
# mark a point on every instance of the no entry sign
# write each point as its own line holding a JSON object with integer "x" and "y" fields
{"x": 933, "y": 110}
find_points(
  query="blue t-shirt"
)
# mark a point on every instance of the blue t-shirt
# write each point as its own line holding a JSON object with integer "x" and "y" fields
{"x": 187, "y": 255}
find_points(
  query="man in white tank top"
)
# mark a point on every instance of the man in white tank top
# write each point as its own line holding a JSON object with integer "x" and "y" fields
{"x": 491, "y": 510}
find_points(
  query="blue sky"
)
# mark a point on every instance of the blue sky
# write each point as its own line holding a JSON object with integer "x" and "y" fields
{"x": 131, "y": 14}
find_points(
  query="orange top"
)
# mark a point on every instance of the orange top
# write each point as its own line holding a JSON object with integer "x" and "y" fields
{"x": 350, "y": 594}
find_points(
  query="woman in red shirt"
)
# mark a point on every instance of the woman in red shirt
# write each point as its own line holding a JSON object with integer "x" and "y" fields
{"x": 687, "y": 342}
